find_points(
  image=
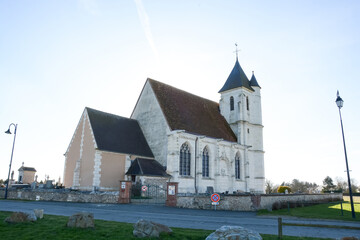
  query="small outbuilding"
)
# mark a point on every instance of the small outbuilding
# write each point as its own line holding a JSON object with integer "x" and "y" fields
{"x": 26, "y": 174}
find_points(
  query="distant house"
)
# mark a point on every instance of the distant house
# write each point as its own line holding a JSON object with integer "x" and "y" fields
{"x": 102, "y": 149}
{"x": 26, "y": 174}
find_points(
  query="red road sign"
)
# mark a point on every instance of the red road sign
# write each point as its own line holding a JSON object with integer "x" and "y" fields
{"x": 215, "y": 197}
{"x": 144, "y": 188}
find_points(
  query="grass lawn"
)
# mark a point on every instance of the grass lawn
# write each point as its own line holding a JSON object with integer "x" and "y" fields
{"x": 323, "y": 211}
{"x": 53, "y": 227}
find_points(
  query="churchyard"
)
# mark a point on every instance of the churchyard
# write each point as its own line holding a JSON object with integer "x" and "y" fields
{"x": 54, "y": 227}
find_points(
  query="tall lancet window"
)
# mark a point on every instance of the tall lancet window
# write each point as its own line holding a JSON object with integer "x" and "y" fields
{"x": 247, "y": 103}
{"x": 231, "y": 103}
{"x": 185, "y": 157}
{"x": 237, "y": 166}
{"x": 205, "y": 162}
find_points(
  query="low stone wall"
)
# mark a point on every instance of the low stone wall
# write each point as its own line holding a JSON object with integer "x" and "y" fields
{"x": 227, "y": 202}
{"x": 255, "y": 202}
{"x": 61, "y": 195}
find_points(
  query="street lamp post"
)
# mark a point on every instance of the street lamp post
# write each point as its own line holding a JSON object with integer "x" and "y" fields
{"x": 339, "y": 103}
{"x": 12, "y": 152}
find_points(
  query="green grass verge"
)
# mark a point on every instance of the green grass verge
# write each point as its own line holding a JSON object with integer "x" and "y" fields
{"x": 320, "y": 211}
{"x": 54, "y": 227}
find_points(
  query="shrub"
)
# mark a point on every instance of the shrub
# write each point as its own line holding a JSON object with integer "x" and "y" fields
{"x": 276, "y": 206}
{"x": 282, "y": 189}
{"x": 136, "y": 189}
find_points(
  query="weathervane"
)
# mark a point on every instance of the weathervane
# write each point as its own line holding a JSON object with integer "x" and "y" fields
{"x": 236, "y": 50}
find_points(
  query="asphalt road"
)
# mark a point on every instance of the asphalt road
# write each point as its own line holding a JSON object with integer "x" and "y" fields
{"x": 186, "y": 218}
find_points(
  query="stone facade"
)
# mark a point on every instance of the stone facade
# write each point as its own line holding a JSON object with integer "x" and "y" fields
{"x": 247, "y": 126}
{"x": 153, "y": 123}
{"x": 246, "y": 121}
{"x": 87, "y": 168}
{"x": 221, "y": 163}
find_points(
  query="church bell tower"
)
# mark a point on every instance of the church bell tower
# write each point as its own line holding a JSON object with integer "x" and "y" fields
{"x": 240, "y": 104}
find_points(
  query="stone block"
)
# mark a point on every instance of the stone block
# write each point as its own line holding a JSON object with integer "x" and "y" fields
{"x": 39, "y": 213}
{"x": 145, "y": 228}
{"x": 18, "y": 217}
{"x": 234, "y": 233}
{"x": 81, "y": 220}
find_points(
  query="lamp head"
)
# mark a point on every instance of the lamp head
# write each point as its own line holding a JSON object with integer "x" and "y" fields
{"x": 8, "y": 131}
{"x": 339, "y": 101}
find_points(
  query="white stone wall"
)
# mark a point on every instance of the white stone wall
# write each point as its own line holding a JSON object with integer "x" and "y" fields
{"x": 152, "y": 122}
{"x": 221, "y": 164}
{"x": 247, "y": 125}
{"x": 253, "y": 202}
{"x": 97, "y": 169}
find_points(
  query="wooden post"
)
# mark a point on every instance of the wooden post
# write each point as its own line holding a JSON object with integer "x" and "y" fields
{"x": 279, "y": 228}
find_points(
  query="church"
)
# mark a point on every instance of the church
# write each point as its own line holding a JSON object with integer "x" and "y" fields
{"x": 175, "y": 136}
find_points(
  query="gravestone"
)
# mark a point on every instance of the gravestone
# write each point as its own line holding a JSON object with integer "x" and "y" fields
{"x": 49, "y": 184}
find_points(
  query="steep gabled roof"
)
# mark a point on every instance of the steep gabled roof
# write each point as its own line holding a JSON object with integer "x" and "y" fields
{"x": 118, "y": 134}
{"x": 146, "y": 167}
{"x": 253, "y": 81}
{"x": 194, "y": 114}
{"x": 237, "y": 78}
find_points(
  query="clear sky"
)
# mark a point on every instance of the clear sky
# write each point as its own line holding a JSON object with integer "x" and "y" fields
{"x": 57, "y": 57}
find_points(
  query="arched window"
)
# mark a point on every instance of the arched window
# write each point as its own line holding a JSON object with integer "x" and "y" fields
{"x": 247, "y": 103}
{"x": 231, "y": 103}
{"x": 237, "y": 166}
{"x": 185, "y": 157}
{"x": 205, "y": 162}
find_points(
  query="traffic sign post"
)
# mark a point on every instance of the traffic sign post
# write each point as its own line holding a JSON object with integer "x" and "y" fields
{"x": 144, "y": 188}
{"x": 215, "y": 198}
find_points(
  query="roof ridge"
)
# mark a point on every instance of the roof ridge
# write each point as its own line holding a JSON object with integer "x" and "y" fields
{"x": 150, "y": 79}
{"x": 107, "y": 113}
{"x": 138, "y": 162}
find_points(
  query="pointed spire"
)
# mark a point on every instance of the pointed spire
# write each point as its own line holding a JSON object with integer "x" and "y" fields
{"x": 253, "y": 82}
{"x": 237, "y": 78}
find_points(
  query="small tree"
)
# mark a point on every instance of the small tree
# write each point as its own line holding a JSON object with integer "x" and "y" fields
{"x": 328, "y": 184}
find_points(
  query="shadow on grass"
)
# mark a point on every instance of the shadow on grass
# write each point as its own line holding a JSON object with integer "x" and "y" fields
{"x": 320, "y": 211}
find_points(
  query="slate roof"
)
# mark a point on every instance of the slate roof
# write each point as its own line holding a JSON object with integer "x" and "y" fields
{"x": 30, "y": 169}
{"x": 147, "y": 167}
{"x": 237, "y": 78}
{"x": 253, "y": 81}
{"x": 118, "y": 134}
{"x": 194, "y": 114}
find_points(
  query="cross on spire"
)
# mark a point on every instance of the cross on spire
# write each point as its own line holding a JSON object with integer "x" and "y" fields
{"x": 236, "y": 50}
